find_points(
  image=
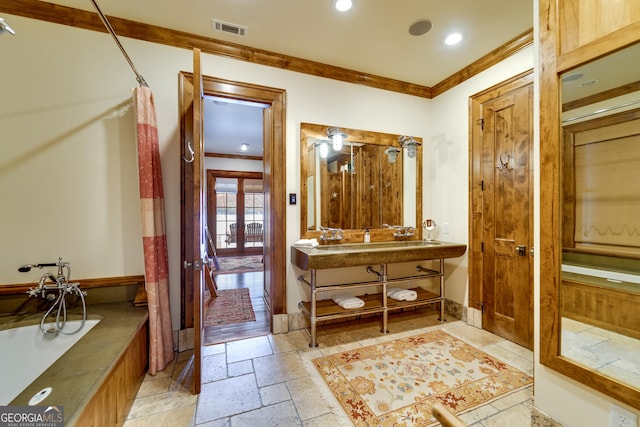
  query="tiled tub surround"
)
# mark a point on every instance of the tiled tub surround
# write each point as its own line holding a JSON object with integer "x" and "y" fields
{"x": 79, "y": 376}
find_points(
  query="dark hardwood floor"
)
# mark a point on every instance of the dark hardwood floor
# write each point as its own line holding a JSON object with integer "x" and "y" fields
{"x": 261, "y": 326}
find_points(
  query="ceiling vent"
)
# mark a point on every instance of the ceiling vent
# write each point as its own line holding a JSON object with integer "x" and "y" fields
{"x": 230, "y": 28}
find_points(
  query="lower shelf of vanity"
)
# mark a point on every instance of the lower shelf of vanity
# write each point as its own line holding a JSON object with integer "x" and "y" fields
{"x": 327, "y": 309}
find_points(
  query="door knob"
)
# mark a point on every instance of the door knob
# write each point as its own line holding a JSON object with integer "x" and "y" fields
{"x": 521, "y": 250}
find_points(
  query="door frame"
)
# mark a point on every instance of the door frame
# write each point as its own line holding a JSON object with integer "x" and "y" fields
{"x": 476, "y": 260}
{"x": 274, "y": 170}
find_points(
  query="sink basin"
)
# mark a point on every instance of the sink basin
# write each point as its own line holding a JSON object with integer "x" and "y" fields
{"x": 354, "y": 254}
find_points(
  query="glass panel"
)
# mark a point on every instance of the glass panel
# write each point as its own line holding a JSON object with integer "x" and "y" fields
{"x": 253, "y": 213}
{"x": 226, "y": 212}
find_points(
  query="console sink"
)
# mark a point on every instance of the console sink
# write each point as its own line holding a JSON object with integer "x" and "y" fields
{"x": 353, "y": 254}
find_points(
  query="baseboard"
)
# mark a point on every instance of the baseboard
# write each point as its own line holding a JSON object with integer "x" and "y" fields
{"x": 540, "y": 419}
{"x": 183, "y": 340}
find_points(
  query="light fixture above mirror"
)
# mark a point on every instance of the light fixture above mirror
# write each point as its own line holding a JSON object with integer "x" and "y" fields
{"x": 337, "y": 137}
{"x": 392, "y": 154}
{"x": 409, "y": 144}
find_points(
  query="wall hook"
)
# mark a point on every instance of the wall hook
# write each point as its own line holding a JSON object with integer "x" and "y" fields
{"x": 190, "y": 149}
{"x": 504, "y": 164}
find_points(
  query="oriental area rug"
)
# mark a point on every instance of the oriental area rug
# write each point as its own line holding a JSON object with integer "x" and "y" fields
{"x": 239, "y": 264}
{"x": 396, "y": 383}
{"x": 230, "y": 306}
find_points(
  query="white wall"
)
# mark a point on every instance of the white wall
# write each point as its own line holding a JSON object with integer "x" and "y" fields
{"x": 68, "y": 170}
{"x": 446, "y": 171}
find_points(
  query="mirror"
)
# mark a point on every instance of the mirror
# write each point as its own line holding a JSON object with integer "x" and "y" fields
{"x": 368, "y": 182}
{"x": 599, "y": 292}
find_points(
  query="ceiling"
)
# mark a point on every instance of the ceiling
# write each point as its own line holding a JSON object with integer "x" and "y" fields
{"x": 373, "y": 37}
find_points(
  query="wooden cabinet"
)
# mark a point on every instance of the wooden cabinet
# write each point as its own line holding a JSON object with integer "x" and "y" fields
{"x": 113, "y": 400}
{"x": 375, "y": 303}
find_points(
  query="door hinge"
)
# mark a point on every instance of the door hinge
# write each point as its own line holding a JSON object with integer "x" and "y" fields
{"x": 482, "y": 185}
{"x": 480, "y": 122}
{"x": 482, "y": 247}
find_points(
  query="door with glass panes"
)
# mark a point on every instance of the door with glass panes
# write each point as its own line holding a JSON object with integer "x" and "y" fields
{"x": 236, "y": 212}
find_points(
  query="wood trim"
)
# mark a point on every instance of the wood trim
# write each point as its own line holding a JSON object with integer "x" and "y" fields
{"x": 550, "y": 248}
{"x": 492, "y": 58}
{"x": 605, "y": 45}
{"x": 104, "y": 282}
{"x": 550, "y": 215}
{"x": 233, "y": 156}
{"x": 126, "y": 28}
{"x": 597, "y": 97}
{"x": 79, "y": 18}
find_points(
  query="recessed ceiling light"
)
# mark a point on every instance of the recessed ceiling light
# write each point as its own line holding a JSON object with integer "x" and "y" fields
{"x": 420, "y": 27}
{"x": 342, "y": 5}
{"x": 572, "y": 77}
{"x": 244, "y": 147}
{"x": 453, "y": 38}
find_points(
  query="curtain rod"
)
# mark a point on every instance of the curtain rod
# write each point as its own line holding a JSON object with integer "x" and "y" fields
{"x": 139, "y": 78}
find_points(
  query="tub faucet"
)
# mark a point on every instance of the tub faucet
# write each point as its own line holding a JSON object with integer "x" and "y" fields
{"x": 60, "y": 280}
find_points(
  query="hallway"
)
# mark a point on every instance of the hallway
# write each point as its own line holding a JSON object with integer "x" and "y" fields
{"x": 254, "y": 281}
{"x": 270, "y": 381}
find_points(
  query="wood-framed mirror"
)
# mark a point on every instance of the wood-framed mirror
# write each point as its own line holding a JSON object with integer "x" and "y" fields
{"x": 370, "y": 182}
{"x": 590, "y": 223}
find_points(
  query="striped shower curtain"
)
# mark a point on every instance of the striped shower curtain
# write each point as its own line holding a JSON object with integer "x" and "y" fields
{"x": 153, "y": 233}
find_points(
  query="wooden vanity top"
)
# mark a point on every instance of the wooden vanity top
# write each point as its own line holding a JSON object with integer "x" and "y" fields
{"x": 354, "y": 254}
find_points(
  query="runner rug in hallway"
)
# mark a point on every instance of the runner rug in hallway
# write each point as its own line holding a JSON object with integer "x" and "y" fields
{"x": 240, "y": 264}
{"x": 230, "y": 306}
{"x": 397, "y": 383}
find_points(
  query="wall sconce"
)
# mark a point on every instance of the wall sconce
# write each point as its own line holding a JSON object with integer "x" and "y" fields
{"x": 409, "y": 144}
{"x": 324, "y": 150}
{"x": 337, "y": 136}
{"x": 392, "y": 154}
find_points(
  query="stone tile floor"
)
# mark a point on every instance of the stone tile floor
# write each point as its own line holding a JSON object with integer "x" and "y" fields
{"x": 270, "y": 381}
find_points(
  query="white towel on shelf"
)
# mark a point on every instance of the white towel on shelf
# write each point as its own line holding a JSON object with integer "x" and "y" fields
{"x": 402, "y": 294}
{"x": 307, "y": 243}
{"x": 348, "y": 302}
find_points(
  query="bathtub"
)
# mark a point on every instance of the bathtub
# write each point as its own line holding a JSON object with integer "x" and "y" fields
{"x": 27, "y": 353}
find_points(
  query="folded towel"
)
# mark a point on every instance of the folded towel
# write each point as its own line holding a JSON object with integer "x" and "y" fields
{"x": 306, "y": 243}
{"x": 402, "y": 294}
{"x": 348, "y": 302}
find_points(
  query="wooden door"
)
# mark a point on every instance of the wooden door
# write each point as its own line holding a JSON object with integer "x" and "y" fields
{"x": 505, "y": 232}
{"x": 199, "y": 248}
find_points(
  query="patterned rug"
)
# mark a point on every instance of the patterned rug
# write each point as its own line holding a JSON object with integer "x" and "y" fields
{"x": 396, "y": 383}
{"x": 240, "y": 264}
{"x": 230, "y": 306}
